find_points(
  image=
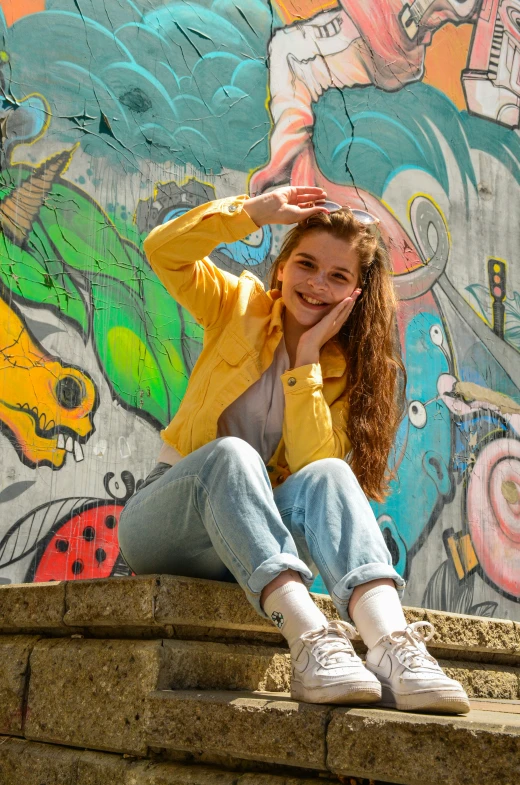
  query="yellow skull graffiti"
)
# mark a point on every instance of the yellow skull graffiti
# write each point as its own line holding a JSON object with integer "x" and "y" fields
{"x": 46, "y": 406}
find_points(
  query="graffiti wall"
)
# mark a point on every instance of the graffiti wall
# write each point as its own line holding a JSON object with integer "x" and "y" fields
{"x": 116, "y": 117}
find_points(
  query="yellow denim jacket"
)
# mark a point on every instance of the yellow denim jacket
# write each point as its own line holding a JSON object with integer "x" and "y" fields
{"x": 242, "y": 328}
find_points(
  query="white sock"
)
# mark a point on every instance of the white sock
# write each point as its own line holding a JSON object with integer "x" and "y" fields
{"x": 292, "y": 610}
{"x": 378, "y": 613}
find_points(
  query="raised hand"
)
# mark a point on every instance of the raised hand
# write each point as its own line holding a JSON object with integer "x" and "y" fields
{"x": 286, "y": 205}
{"x": 312, "y": 340}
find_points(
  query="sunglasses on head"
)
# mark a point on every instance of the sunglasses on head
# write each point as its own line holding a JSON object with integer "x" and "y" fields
{"x": 367, "y": 219}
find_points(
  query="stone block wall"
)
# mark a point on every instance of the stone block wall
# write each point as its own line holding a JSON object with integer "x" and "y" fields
{"x": 117, "y": 117}
{"x": 139, "y": 681}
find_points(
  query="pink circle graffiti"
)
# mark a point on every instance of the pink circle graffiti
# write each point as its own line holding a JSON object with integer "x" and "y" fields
{"x": 493, "y": 504}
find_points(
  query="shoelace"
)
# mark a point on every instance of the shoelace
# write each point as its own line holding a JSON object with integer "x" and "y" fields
{"x": 337, "y": 635}
{"x": 406, "y": 645}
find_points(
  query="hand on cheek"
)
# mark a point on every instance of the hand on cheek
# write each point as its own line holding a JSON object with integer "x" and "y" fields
{"x": 312, "y": 340}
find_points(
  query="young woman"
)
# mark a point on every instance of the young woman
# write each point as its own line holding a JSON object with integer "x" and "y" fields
{"x": 252, "y": 484}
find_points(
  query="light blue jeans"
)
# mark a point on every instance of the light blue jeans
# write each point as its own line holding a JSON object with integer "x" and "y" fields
{"x": 215, "y": 515}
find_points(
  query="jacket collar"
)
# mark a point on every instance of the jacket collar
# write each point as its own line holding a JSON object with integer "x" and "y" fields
{"x": 332, "y": 359}
{"x": 276, "y": 322}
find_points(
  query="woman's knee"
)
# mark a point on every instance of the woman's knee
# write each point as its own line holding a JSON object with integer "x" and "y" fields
{"x": 232, "y": 449}
{"x": 329, "y": 470}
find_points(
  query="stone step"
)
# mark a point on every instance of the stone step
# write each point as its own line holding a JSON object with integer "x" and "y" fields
{"x": 32, "y": 763}
{"x": 164, "y": 606}
{"x": 160, "y": 665}
{"x": 250, "y": 728}
{"x": 225, "y": 666}
{"x": 396, "y": 747}
{"x": 93, "y": 693}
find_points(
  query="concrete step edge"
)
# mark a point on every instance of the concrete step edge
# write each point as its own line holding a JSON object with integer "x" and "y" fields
{"x": 177, "y": 607}
{"x": 378, "y": 743}
{"x": 214, "y": 666}
{"x": 23, "y": 761}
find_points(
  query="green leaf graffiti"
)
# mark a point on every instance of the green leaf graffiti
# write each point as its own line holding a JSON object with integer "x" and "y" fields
{"x": 75, "y": 262}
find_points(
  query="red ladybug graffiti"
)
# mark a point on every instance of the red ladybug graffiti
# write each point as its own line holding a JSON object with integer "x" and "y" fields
{"x": 84, "y": 546}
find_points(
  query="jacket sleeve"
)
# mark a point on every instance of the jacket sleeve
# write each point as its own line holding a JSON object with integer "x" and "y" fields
{"x": 177, "y": 252}
{"x": 311, "y": 429}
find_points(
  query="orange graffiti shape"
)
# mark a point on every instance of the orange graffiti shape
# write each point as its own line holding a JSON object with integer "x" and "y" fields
{"x": 446, "y": 58}
{"x": 46, "y": 407}
{"x": 296, "y": 10}
{"x": 15, "y": 9}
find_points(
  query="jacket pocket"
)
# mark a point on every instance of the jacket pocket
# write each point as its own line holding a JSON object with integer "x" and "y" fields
{"x": 232, "y": 350}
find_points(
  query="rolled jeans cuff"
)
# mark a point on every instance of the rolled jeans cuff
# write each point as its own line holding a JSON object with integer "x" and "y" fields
{"x": 375, "y": 571}
{"x": 268, "y": 571}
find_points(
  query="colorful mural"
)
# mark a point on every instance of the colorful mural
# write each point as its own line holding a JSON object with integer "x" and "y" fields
{"x": 117, "y": 117}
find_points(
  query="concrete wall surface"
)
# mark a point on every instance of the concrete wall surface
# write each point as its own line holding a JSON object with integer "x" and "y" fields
{"x": 117, "y": 116}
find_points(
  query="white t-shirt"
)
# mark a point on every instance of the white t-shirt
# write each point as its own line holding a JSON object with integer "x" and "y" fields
{"x": 256, "y": 416}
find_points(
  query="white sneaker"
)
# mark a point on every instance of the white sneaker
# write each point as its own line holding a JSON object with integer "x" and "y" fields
{"x": 411, "y": 679}
{"x": 326, "y": 669}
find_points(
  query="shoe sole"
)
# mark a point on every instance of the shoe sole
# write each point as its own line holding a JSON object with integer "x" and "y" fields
{"x": 338, "y": 693}
{"x": 433, "y": 701}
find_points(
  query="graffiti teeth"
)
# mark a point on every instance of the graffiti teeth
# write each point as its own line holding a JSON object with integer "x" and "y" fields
{"x": 69, "y": 444}
{"x": 78, "y": 452}
{"x": 61, "y": 441}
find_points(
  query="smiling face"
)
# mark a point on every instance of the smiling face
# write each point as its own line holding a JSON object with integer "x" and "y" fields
{"x": 320, "y": 272}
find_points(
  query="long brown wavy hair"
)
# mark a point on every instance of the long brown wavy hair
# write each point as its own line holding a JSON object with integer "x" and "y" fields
{"x": 376, "y": 377}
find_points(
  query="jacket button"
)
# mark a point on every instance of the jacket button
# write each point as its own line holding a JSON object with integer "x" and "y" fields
{"x": 291, "y": 381}
{"x": 270, "y": 468}
{"x": 280, "y": 478}
{"x": 232, "y": 208}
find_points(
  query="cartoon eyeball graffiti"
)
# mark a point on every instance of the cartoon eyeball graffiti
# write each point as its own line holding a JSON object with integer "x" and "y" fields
{"x": 436, "y": 335}
{"x": 437, "y": 338}
{"x": 417, "y": 414}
